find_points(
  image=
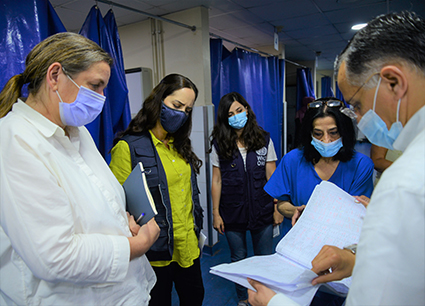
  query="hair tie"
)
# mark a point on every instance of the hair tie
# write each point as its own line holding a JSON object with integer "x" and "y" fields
{"x": 23, "y": 78}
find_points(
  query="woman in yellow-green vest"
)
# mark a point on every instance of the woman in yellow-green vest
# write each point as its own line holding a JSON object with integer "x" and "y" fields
{"x": 158, "y": 136}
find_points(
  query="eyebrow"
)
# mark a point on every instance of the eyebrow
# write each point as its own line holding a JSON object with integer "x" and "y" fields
{"x": 320, "y": 130}
{"x": 178, "y": 101}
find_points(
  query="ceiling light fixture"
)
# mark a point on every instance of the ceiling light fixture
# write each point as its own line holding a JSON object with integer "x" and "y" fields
{"x": 358, "y": 26}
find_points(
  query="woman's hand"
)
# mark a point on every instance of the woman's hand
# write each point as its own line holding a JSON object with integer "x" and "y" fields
{"x": 145, "y": 238}
{"x": 362, "y": 200}
{"x": 297, "y": 214}
{"x": 218, "y": 222}
{"x": 277, "y": 216}
{"x": 134, "y": 227}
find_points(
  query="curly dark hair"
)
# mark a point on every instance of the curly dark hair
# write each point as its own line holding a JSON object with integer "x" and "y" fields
{"x": 344, "y": 124}
{"x": 149, "y": 115}
{"x": 253, "y": 135}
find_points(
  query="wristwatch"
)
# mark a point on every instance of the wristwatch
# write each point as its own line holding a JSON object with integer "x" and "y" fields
{"x": 352, "y": 248}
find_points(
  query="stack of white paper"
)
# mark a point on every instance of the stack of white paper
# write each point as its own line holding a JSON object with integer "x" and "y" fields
{"x": 331, "y": 217}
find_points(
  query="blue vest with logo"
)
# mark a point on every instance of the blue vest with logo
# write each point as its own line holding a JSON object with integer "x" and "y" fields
{"x": 244, "y": 205}
{"x": 142, "y": 150}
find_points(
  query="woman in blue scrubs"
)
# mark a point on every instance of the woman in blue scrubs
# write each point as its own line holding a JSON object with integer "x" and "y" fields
{"x": 326, "y": 153}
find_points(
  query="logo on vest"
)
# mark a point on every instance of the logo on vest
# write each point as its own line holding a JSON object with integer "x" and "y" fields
{"x": 261, "y": 156}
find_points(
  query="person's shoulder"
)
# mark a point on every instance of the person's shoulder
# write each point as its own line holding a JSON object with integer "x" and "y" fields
{"x": 135, "y": 137}
{"x": 12, "y": 125}
{"x": 361, "y": 158}
{"x": 293, "y": 156}
{"x": 294, "y": 153}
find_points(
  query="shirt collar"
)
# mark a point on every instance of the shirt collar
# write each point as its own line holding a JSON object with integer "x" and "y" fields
{"x": 41, "y": 123}
{"x": 413, "y": 127}
{"x": 157, "y": 142}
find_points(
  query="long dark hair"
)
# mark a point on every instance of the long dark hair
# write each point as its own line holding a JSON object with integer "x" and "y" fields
{"x": 345, "y": 128}
{"x": 253, "y": 135}
{"x": 149, "y": 115}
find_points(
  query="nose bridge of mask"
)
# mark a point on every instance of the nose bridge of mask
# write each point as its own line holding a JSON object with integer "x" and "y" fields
{"x": 239, "y": 116}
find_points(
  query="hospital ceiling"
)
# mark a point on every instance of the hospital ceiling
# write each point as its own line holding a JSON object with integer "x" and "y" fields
{"x": 307, "y": 28}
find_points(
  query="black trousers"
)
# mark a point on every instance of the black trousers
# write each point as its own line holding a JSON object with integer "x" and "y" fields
{"x": 187, "y": 282}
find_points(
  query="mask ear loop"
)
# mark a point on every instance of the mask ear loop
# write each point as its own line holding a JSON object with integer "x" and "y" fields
{"x": 398, "y": 110}
{"x": 63, "y": 69}
{"x": 376, "y": 93}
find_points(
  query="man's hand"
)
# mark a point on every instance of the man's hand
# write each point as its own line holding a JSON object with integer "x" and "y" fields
{"x": 332, "y": 263}
{"x": 262, "y": 296}
{"x": 362, "y": 200}
{"x": 297, "y": 214}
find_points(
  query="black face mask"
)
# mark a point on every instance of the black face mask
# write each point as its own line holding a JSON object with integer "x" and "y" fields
{"x": 172, "y": 119}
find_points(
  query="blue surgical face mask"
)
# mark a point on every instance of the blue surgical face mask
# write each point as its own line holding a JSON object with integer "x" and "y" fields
{"x": 327, "y": 149}
{"x": 86, "y": 107}
{"x": 172, "y": 119}
{"x": 375, "y": 129}
{"x": 238, "y": 121}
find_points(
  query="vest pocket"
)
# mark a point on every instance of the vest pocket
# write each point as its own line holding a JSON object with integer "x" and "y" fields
{"x": 232, "y": 190}
{"x": 161, "y": 243}
{"x": 150, "y": 166}
{"x": 259, "y": 179}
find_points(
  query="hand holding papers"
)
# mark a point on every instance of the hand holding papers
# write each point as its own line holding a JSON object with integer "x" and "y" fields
{"x": 139, "y": 200}
{"x": 331, "y": 217}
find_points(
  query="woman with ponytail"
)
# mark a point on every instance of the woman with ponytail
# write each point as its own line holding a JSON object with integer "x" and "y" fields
{"x": 65, "y": 236}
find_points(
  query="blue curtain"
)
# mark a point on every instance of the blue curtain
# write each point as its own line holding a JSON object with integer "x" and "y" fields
{"x": 327, "y": 87}
{"x": 305, "y": 86}
{"x": 23, "y": 24}
{"x": 119, "y": 94}
{"x": 259, "y": 79}
{"x": 115, "y": 115}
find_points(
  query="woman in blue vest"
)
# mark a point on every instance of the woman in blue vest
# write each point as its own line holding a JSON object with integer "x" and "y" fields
{"x": 243, "y": 159}
{"x": 158, "y": 136}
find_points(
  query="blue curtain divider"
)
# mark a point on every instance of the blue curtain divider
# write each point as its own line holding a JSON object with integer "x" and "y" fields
{"x": 23, "y": 25}
{"x": 115, "y": 115}
{"x": 327, "y": 87}
{"x": 258, "y": 79}
{"x": 122, "y": 94}
{"x": 305, "y": 87}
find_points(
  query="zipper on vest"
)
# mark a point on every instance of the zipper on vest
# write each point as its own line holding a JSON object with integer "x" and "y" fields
{"x": 166, "y": 214}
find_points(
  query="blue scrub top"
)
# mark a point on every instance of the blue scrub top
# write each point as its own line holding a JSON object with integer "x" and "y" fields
{"x": 295, "y": 178}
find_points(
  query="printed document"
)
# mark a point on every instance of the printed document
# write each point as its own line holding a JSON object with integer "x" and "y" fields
{"x": 331, "y": 217}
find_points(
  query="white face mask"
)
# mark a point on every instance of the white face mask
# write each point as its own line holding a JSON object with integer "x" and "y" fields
{"x": 86, "y": 107}
{"x": 375, "y": 129}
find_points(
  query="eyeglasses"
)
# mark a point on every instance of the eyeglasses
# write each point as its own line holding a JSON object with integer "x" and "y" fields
{"x": 325, "y": 101}
{"x": 358, "y": 89}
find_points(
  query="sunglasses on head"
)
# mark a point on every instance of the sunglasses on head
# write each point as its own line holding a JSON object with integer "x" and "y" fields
{"x": 332, "y": 102}
{"x": 325, "y": 101}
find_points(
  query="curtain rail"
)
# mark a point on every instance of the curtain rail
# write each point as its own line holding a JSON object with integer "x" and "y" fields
{"x": 255, "y": 50}
{"x": 192, "y": 28}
